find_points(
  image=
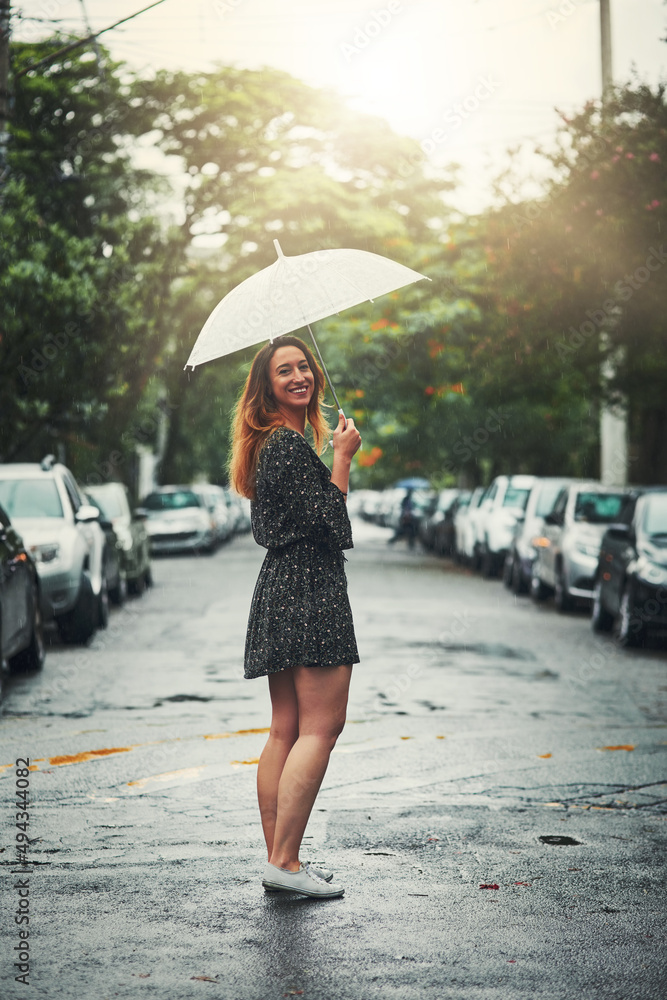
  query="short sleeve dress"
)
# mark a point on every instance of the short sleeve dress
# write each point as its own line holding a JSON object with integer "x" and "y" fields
{"x": 300, "y": 612}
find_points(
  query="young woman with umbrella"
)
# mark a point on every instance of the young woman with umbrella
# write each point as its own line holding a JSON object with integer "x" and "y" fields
{"x": 300, "y": 630}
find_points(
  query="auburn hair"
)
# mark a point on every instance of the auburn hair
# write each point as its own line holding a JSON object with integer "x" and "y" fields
{"x": 256, "y": 415}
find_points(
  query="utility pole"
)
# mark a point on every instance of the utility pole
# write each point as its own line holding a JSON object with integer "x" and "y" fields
{"x": 613, "y": 419}
{"x": 4, "y": 85}
{"x": 605, "y": 46}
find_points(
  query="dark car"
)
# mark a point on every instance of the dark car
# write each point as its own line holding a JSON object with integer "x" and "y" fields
{"x": 436, "y": 527}
{"x": 132, "y": 537}
{"x": 631, "y": 578}
{"x": 21, "y": 634}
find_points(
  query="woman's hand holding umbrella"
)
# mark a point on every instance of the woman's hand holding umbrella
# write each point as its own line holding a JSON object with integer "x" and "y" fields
{"x": 346, "y": 443}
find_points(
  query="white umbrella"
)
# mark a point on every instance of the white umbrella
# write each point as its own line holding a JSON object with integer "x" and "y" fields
{"x": 293, "y": 293}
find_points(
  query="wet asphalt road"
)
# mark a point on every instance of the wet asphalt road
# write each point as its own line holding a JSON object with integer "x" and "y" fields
{"x": 477, "y": 726}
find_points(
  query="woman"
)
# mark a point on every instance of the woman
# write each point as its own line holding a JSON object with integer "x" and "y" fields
{"x": 300, "y": 630}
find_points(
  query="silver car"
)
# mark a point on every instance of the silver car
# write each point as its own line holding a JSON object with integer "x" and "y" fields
{"x": 529, "y": 533}
{"x": 567, "y": 559}
{"x": 215, "y": 500}
{"x": 62, "y": 533}
{"x": 177, "y": 520}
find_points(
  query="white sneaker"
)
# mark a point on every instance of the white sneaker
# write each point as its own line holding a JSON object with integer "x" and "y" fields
{"x": 322, "y": 873}
{"x": 303, "y": 881}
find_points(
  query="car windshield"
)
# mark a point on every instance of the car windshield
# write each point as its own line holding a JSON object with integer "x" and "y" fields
{"x": 109, "y": 503}
{"x": 171, "y": 501}
{"x": 516, "y": 497}
{"x": 547, "y": 498}
{"x": 600, "y": 508}
{"x": 656, "y": 515}
{"x": 30, "y": 498}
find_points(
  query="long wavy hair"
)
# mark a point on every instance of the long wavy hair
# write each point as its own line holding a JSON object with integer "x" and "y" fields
{"x": 256, "y": 415}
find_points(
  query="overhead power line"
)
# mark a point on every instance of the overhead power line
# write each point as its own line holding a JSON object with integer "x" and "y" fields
{"x": 83, "y": 41}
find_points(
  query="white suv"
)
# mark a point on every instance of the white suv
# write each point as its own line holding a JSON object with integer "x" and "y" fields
{"x": 62, "y": 532}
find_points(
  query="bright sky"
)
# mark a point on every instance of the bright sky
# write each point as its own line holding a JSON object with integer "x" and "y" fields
{"x": 505, "y": 63}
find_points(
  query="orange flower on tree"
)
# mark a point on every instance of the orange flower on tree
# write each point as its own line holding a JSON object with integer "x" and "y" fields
{"x": 379, "y": 324}
{"x": 366, "y": 459}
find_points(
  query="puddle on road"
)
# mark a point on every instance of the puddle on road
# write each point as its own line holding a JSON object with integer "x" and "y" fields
{"x": 479, "y": 648}
{"x": 182, "y": 697}
{"x": 559, "y": 841}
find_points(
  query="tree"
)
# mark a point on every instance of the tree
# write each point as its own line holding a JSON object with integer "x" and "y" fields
{"x": 85, "y": 272}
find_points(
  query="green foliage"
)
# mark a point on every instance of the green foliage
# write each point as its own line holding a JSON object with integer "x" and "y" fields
{"x": 492, "y": 366}
{"x": 84, "y": 277}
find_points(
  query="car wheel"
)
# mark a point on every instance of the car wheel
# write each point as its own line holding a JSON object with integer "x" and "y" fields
{"x": 103, "y": 604}
{"x": 562, "y": 597}
{"x": 33, "y": 656}
{"x": 138, "y": 585}
{"x": 518, "y": 580}
{"x": 508, "y": 570}
{"x": 79, "y": 624}
{"x": 538, "y": 590}
{"x": 488, "y": 566}
{"x": 601, "y": 619}
{"x": 118, "y": 594}
{"x": 631, "y": 629}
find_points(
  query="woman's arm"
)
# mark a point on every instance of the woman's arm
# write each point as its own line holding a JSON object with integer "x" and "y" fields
{"x": 346, "y": 442}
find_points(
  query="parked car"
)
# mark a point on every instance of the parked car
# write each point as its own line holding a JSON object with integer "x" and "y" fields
{"x": 113, "y": 574}
{"x": 567, "y": 558}
{"x": 177, "y": 520}
{"x": 501, "y": 508}
{"x": 130, "y": 528}
{"x": 529, "y": 533}
{"x": 222, "y": 515}
{"x": 21, "y": 630}
{"x": 465, "y": 528}
{"x": 436, "y": 527}
{"x": 62, "y": 532}
{"x": 630, "y": 589}
{"x": 242, "y": 507}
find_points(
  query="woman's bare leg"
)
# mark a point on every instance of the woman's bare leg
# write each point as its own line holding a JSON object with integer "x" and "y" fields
{"x": 283, "y": 736}
{"x": 321, "y": 694}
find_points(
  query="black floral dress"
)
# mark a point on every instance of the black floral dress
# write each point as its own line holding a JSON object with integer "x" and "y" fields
{"x": 300, "y": 613}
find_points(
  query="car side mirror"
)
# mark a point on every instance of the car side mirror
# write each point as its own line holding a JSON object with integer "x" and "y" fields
{"x": 87, "y": 513}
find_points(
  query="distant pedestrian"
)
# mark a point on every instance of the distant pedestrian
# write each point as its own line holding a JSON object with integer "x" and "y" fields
{"x": 300, "y": 629}
{"x": 407, "y": 521}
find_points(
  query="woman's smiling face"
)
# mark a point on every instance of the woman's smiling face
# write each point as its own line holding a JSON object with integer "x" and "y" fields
{"x": 292, "y": 381}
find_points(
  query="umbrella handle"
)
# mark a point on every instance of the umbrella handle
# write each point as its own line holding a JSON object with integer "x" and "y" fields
{"x": 326, "y": 375}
